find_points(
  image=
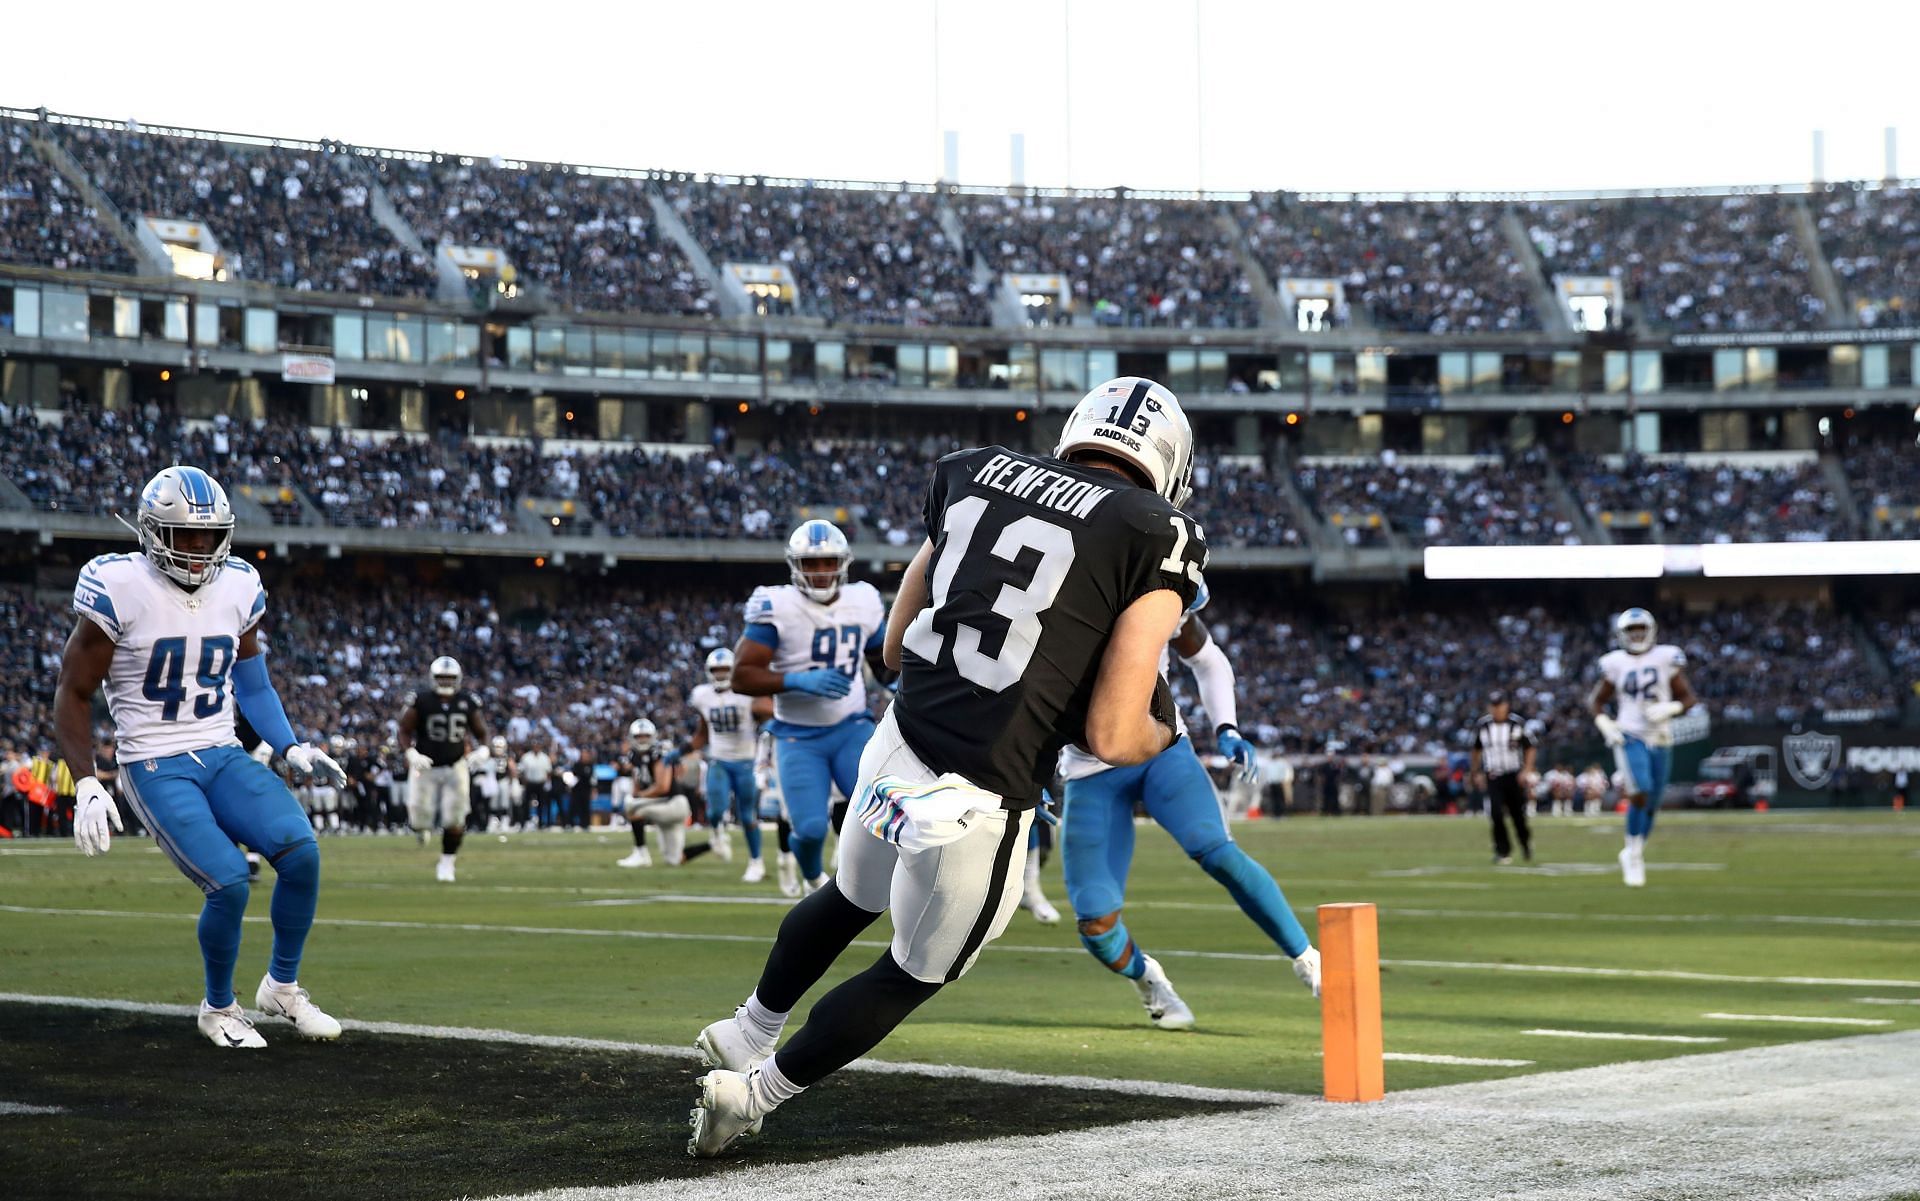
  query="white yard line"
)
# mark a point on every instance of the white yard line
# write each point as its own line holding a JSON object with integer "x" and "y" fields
{"x": 1886, "y": 1000}
{"x": 1455, "y": 1060}
{"x": 1624, "y": 1036}
{"x": 1157, "y": 1088}
{"x": 1161, "y": 952}
{"x": 1788, "y": 1017}
{"x": 22, "y": 1109}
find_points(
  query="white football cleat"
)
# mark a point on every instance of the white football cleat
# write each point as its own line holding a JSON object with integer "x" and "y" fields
{"x": 726, "y": 1045}
{"x": 1035, "y": 902}
{"x": 725, "y": 1114}
{"x": 809, "y": 887}
{"x": 1306, "y": 966}
{"x": 293, "y": 1004}
{"x": 789, "y": 875}
{"x": 1633, "y": 869}
{"x": 229, "y": 1027}
{"x": 720, "y": 838}
{"x": 756, "y": 871}
{"x": 1164, "y": 1006}
{"x": 637, "y": 857}
{"x": 443, "y": 870}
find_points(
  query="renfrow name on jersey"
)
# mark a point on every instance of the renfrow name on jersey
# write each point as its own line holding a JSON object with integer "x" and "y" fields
{"x": 1042, "y": 485}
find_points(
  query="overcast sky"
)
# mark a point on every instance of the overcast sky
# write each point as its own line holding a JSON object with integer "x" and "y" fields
{"x": 1222, "y": 94}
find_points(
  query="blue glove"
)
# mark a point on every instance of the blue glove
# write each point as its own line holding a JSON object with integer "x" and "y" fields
{"x": 820, "y": 681}
{"x": 1239, "y": 752}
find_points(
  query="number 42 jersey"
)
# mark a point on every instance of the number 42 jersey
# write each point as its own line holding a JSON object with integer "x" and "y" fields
{"x": 1034, "y": 559}
{"x": 173, "y": 651}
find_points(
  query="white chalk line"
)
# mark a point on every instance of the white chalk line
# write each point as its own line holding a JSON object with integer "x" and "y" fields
{"x": 1169, "y": 952}
{"x": 1792, "y": 1018}
{"x": 1158, "y": 1088}
{"x": 22, "y": 1109}
{"x": 1456, "y": 1060}
{"x": 1624, "y": 1036}
{"x": 1886, "y": 1000}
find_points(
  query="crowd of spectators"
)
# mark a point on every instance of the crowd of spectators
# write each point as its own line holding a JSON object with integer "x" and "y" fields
{"x": 1690, "y": 262}
{"x": 1417, "y": 266}
{"x": 590, "y": 241}
{"x": 1508, "y": 503}
{"x": 295, "y": 217}
{"x": 1129, "y": 261}
{"x": 1871, "y": 236}
{"x": 43, "y": 222}
{"x": 859, "y": 256}
{"x": 1722, "y": 502}
{"x": 1885, "y": 479}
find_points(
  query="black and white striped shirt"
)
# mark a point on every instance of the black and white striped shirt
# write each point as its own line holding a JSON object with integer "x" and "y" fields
{"x": 1503, "y": 744}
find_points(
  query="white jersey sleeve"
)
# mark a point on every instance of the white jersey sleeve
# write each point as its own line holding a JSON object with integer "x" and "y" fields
{"x": 169, "y": 687}
{"x": 731, "y": 729}
{"x": 1076, "y": 763}
{"x": 1640, "y": 680}
{"x": 806, "y": 634}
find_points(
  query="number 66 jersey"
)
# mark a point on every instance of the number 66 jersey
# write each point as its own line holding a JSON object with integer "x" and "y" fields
{"x": 1034, "y": 559}
{"x": 173, "y": 651}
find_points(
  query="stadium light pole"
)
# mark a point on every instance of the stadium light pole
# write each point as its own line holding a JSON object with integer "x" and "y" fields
{"x": 1199, "y": 109}
{"x": 1066, "y": 73}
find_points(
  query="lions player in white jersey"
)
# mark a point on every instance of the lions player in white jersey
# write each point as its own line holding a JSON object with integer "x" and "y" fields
{"x": 729, "y": 726}
{"x": 173, "y": 633}
{"x": 1646, "y": 682}
{"x": 803, "y": 646}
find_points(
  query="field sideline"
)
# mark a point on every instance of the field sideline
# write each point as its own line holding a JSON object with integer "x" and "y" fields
{"x": 1755, "y": 931}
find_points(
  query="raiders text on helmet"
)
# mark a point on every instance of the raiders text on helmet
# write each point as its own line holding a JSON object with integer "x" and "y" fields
{"x": 1635, "y": 630}
{"x": 1139, "y": 422}
{"x": 641, "y": 733}
{"x": 185, "y": 501}
{"x": 446, "y": 675}
{"x": 817, "y": 559}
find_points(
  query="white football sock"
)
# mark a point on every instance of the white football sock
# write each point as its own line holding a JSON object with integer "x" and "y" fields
{"x": 761, "y": 1025}
{"x": 770, "y": 1087}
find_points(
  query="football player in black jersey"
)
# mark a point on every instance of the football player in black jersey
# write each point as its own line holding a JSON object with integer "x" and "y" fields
{"x": 660, "y": 798}
{"x": 437, "y": 729}
{"x": 1034, "y": 615}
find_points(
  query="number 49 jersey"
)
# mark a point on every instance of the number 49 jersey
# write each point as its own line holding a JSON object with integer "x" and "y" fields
{"x": 1641, "y": 680}
{"x": 173, "y": 651}
{"x": 1034, "y": 559}
{"x": 806, "y": 634}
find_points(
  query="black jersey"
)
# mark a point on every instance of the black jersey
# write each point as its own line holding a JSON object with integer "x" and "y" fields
{"x": 441, "y": 724}
{"x": 1034, "y": 559}
{"x": 639, "y": 764}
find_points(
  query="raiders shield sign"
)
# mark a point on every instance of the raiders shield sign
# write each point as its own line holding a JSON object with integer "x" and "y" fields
{"x": 1811, "y": 758}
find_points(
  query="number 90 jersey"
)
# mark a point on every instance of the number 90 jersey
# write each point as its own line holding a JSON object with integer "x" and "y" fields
{"x": 1641, "y": 680}
{"x": 806, "y": 634}
{"x": 173, "y": 651}
{"x": 1034, "y": 559}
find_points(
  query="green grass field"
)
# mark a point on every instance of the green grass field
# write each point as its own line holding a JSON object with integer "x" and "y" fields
{"x": 543, "y": 934}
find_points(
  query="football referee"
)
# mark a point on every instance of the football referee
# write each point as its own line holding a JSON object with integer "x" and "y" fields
{"x": 1504, "y": 751}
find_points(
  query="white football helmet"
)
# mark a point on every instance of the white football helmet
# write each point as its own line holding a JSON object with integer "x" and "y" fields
{"x": 498, "y": 745}
{"x": 1139, "y": 422}
{"x": 446, "y": 675}
{"x": 720, "y": 668}
{"x": 821, "y": 544}
{"x": 185, "y": 501}
{"x": 1635, "y": 630}
{"x": 641, "y": 734}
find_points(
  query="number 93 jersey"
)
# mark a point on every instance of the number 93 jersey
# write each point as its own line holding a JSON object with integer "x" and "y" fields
{"x": 173, "y": 651}
{"x": 1641, "y": 680}
{"x": 806, "y": 634}
{"x": 1034, "y": 559}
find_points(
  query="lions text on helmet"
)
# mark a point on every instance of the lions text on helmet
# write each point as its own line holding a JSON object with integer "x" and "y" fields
{"x": 1140, "y": 423}
{"x": 817, "y": 559}
{"x": 185, "y": 525}
{"x": 1645, "y": 683}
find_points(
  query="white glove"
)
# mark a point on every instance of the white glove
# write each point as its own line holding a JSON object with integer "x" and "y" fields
{"x": 310, "y": 760}
{"x": 417, "y": 759}
{"x": 475, "y": 757}
{"x": 1664, "y": 710}
{"x": 93, "y": 808}
{"x": 1609, "y": 730}
{"x": 1306, "y": 968}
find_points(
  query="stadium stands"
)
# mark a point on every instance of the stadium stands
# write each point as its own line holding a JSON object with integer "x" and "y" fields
{"x": 1872, "y": 238}
{"x": 42, "y": 221}
{"x": 1717, "y": 503}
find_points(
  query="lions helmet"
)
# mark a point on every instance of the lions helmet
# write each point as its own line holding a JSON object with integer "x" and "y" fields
{"x": 1139, "y": 422}
{"x": 641, "y": 734}
{"x": 446, "y": 675}
{"x": 720, "y": 668}
{"x": 185, "y": 525}
{"x": 1634, "y": 630}
{"x": 817, "y": 559}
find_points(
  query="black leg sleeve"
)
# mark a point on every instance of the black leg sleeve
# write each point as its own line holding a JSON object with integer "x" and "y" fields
{"x": 813, "y": 935}
{"x": 852, "y": 1020}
